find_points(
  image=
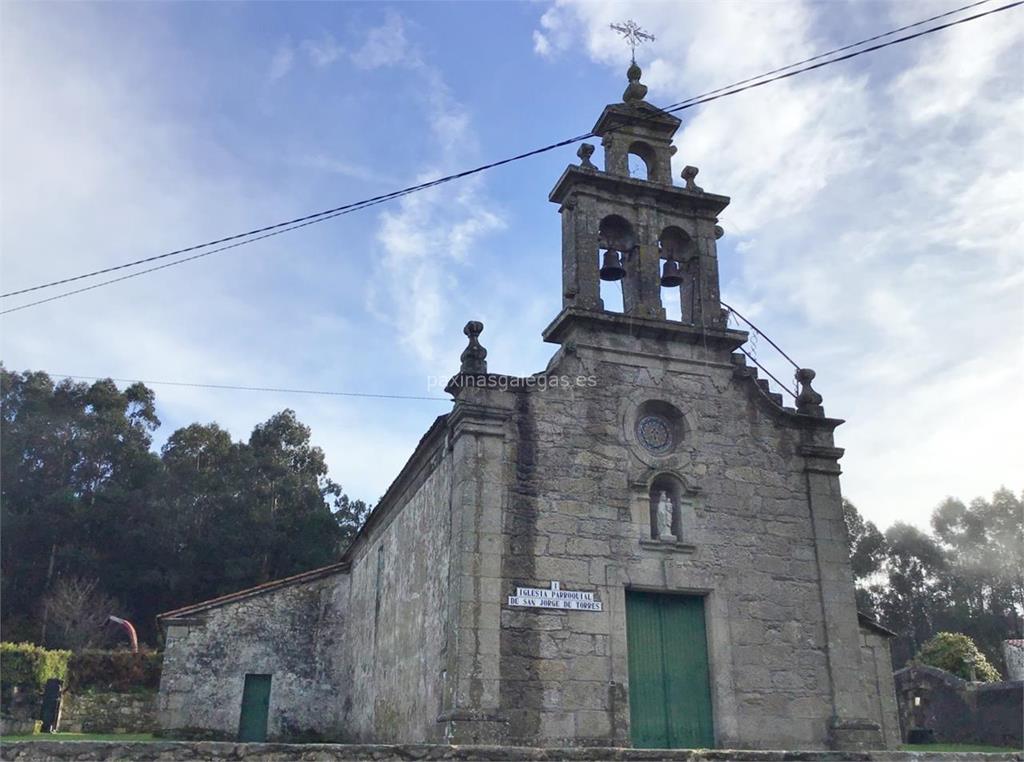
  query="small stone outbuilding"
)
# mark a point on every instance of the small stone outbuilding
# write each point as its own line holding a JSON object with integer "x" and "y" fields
{"x": 639, "y": 546}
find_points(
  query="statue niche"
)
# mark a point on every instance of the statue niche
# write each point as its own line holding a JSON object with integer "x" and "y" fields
{"x": 664, "y": 497}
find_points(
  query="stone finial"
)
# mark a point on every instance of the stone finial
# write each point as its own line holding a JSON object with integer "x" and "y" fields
{"x": 474, "y": 356}
{"x": 808, "y": 401}
{"x": 635, "y": 91}
{"x": 585, "y": 152}
{"x": 689, "y": 174}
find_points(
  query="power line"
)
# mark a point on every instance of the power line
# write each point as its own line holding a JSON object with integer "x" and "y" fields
{"x": 310, "y": 219}
{"x": 331, "y": 213}
{"x": 685, "y": 105}
{"x": 231, "y": 387}
{"x": 842, "y": 48}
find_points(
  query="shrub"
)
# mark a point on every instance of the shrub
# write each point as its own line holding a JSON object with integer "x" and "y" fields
{"x": 29, "y": 666}
{"x": 957, "y": 653}
{"x": 119, "y": 671}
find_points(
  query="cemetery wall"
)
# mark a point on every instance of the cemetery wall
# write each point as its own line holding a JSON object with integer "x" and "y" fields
{"x": 108, "y": 712}
{"x": 958, "y": 711}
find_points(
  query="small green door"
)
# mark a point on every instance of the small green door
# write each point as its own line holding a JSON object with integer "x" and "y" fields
{"x": 252, "y": 726}
{"x": 669, "y": 687}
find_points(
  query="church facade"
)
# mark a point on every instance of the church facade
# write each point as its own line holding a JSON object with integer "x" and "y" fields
{"x": 639, "y": 546}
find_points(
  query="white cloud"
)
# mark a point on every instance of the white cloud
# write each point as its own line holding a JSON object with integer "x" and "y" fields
{"x": 282, "y": 62}
{"x": 132, "y": 177}
{"x": 346, "y": 168}
{"x": 875, "y": 223}
{"x": 324, "y": 51}
{"x": 425, "y": 240}
{"x": 555, "y": 37}
{"x": 541, "y": 45}
{"x": 385, "y": 45}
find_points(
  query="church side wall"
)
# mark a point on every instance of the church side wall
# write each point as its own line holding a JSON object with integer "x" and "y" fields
{"x": 390, "y": 653}
{"x": 206, "y": 659}
{"x": 879, "y": 686}
{"x": 581, "y": 506}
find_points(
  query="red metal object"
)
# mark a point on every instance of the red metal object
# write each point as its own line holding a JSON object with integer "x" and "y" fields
{"x": 129, "y": 628}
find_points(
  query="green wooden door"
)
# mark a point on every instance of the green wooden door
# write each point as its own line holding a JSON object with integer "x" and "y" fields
{"x": 252, "y": 726}
{"x": 669, "y": 689}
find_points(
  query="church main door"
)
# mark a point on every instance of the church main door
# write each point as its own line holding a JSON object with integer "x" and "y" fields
{"x": 669, "y": 689}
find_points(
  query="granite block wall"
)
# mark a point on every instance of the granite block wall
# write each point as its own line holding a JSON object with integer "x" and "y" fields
{"x": 580, "y": 514}
{"x": 207, "y": 656}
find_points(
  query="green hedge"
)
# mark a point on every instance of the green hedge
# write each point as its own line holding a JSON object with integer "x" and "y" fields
{"x": 30, "y": 666}
{"x": 114, "y": 671}
{"x": 957, "y": 653}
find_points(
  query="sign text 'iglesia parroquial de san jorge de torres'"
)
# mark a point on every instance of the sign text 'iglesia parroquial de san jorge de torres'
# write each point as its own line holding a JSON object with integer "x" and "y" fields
{"x": 555, "y": 598}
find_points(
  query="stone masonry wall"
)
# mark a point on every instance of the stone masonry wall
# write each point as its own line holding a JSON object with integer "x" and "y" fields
{"x": 876, "y": 661}
{"x": 1013, "y": 654}
{"x": 355, "y": 655}
{"x": 579, "y": 513}
{"x": 958, "y": 711}
{"x": 108, "y": 712}
{"x": 206, "y": 660}
{"x": 171, "y": 751}
{"x": 389, "y": 655}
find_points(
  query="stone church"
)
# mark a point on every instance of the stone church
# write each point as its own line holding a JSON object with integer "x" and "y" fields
{"x": 639, "y": 546}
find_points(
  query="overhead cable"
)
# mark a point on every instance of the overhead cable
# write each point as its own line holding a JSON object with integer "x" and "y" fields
{"x": 299, "y": 222}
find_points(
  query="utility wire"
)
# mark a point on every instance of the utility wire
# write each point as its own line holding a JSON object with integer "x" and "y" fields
{"x": 251, "y": 388}
{"x": 309, "y": 219}
{"x": 298, "y": 222}
{"x": 330, "y": 213}
{"x": 685, "y": 104}
{"x": 840, "y": 49}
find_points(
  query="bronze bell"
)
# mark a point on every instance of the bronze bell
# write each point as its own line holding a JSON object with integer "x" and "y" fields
{"x": 670, "y": 274}
{"x": 611, "y": 266}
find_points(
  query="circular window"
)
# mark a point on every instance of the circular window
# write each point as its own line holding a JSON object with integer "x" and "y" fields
{"x": 658, "y": 427}
{"x": 654, "y": 433}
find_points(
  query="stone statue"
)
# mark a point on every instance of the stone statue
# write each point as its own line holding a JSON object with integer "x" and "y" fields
{"x": 664, "y": 514}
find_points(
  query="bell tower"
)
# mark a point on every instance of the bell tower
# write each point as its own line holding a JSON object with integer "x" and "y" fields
{"x": 627, "y": 222}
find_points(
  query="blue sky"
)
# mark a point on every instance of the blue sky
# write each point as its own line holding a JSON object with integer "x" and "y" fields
{"x": 874, "y": 229}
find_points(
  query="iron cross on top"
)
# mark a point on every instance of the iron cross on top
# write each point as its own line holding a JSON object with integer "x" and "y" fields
{"x": 633, "y": 34}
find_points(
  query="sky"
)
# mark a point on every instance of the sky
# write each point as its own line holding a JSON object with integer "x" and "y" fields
{"x": 874, "y": 230}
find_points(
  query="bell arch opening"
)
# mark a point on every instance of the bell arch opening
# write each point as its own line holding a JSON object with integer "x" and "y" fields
{"x": 640, "y": 160}
{"x": 677, "y": 256}
{"x": 616, "y": 242}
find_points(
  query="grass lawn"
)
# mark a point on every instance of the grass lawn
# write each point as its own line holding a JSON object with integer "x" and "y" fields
{"x": 81, "y": 737}
{"x": 953, "y": 747}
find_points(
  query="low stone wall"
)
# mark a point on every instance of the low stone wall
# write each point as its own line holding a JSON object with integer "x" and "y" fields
{"x": 957, "y": 711}
{"x": 182, "y": 750}
{"x": 17, "y": 726}
{"x": 108, "y": 712}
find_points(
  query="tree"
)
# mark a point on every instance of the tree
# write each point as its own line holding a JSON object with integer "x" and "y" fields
{"x": 957, "y": 653}
{"x": 867, "y": 554}
{"x": 984, "y": 545}
{"x": 914, "y": 594}
{"x": 205, "y": 501}
{"x": 78, "y": 613}
{"x": 85, "y": 497}
{"x": 291, "y": 499}
{"x": 71, "y": 456}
